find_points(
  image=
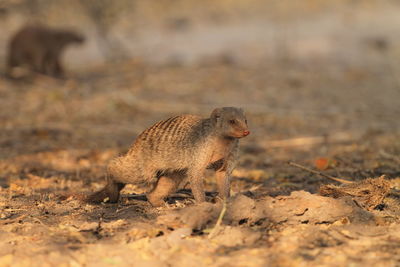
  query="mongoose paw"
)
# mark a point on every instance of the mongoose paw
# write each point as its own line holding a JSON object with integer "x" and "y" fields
{"x": 155, "y": 202}
{"x": 101, "y": 197}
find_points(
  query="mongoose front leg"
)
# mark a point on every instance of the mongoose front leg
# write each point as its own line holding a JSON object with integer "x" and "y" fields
{"x": 223, "y": 183}
{"x": 223, "y": 175}
{"x": 165, "y": 186}
{"x": 58, "y": 69}
{"x": 197, "y": 186}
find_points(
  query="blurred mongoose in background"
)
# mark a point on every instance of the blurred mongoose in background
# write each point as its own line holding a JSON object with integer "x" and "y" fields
{"x": 39, "y": 49}
{"x": 179, "y": 150}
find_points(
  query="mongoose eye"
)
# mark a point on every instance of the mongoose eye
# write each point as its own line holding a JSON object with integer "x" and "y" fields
{"x": 232, "y": 121}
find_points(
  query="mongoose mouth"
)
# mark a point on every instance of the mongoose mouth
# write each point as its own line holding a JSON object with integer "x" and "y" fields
{"x": 242, "y": 134}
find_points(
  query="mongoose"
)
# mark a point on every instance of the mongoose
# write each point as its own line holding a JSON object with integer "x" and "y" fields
{"x": 176, "y": 151}
{"x": 39, "y": 49}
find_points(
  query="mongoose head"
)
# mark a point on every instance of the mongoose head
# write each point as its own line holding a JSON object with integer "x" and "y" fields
{"x": 230, "y": 122}
{"x": 69, "y": 37}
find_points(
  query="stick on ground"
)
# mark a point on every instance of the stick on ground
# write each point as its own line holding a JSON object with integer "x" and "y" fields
{"x": 219, "y": 221}
{"x": 320, "y": 173}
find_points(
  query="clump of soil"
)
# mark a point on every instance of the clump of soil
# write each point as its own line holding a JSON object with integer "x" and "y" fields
{"x": 368, "y": 193}
{"x": 299, "y": 208}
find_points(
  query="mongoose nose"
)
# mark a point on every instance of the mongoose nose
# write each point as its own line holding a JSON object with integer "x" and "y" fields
{"x": 246, "y": 133}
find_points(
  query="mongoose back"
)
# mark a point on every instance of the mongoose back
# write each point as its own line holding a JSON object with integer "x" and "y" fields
{"x": 39, "y": 49}
{"x": 179, "y": 150}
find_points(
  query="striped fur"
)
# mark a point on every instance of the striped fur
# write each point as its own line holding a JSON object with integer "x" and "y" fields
{"x": 180, "y": 149}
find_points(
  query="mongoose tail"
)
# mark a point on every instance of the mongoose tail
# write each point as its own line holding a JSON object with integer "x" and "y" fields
{"x": 110, "y": 193}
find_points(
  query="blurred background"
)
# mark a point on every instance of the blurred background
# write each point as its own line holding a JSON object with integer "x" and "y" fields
{"x": 327, "y": 64}
{"x": 303, "y": 69}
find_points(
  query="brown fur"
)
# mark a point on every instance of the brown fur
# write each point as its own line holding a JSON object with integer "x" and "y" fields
{"x": 39, "y": 49}
{"x": 176, "y": 151}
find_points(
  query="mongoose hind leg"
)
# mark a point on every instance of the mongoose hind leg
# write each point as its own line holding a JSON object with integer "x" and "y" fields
{"x": 165, "y": 186}
{"x": 110, "y": 193}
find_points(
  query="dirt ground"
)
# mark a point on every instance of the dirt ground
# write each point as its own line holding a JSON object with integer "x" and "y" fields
{"x": 340, "y": 117}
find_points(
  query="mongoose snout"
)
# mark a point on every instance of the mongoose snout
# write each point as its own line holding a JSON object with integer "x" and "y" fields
{"x": 177, "y": 151}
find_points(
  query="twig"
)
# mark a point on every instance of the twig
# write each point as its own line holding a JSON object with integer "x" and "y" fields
{"x": 390, "y": 156}
{"x": 320, "y": 173}
{"x": 11, "y": 209}
{"x": 219, "y": 221}
{"x": 39, "y": 221}
{"x": 99, "y": 228}
{"x": 8, "y": 221}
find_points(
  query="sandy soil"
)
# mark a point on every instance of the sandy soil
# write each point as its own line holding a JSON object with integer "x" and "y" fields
{"x": 58, "y": 136}
{"x": 332, "y": 111}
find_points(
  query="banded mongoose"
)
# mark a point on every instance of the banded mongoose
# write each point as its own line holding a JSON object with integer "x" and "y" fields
{"x": 39, "y": 49}
{"x": 176, "y": 151}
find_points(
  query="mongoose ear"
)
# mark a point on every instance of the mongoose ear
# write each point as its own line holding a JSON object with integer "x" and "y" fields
{"x": 216, "y": 114}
